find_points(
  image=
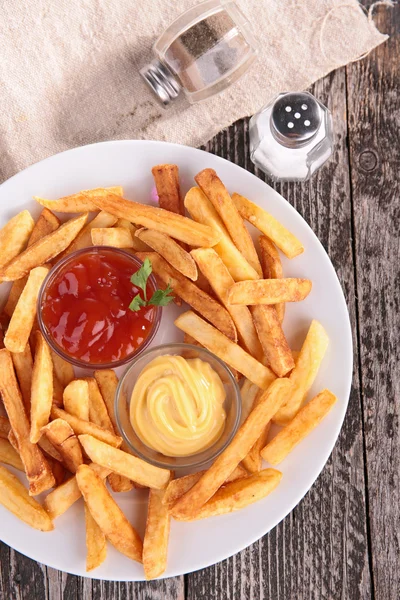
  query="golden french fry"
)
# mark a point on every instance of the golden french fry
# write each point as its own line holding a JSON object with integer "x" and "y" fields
{"x": 269, "y": 291}
{"x": 76, "y": 399}
{"x": 296, "y": 430}
{"x": 118, "y": 237}
{"x": 238, "y": 494}
{"x": 59, "y": 471}
{"x": 253, "y": 460}
{"x": 251, "y": 395}
{"x": 248, "y": 392}
{"x": 95, "y": 542}
{"x": 248, "y": 433}
{"x": 305, "y": 371}
{"x": 219, "y": 197}
{"x": 84, "y": 238}
{"x": 177, "y": 226}
{"x": 124, "y": 464}
{"x": 81, "y": 427}
{"x": 107, "y": 514}
{"x": 81, "y": 202}
{"x": 173, "y": 253}
{"x": 64, "y": 370}
{"x": 166, "y": 178}
{"x": 276, "y": 349}
{"x": 49, "y": 449}
{"x": 42, "y": 388}
{"x": 4, "y": 427}
{"x": 225, "y": 349}
{"x": 14, "y": 295}
{"x": 107, "y": 382}
{"x": 211, "y": 265}
{"x": 9, "y": 455}
{"x": 61, "y": 435}
{"x": 14, "y": 496}
{"x": 43, "y": 250}
{"x": 58, "y": 389}
{"x": 155, "y": 543}
{"x": 36, "y": 467}
{"x": 23, "y": 365}
{"x": 21, "y": 322}
{"x": 137, "y": 245}
{"x": 14, "y": 236}
{"x": 272, "y": 267}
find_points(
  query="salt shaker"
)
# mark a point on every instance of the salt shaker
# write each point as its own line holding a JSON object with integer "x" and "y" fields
{"x": 291, "y": 137}
{"x": 202, "y": 52}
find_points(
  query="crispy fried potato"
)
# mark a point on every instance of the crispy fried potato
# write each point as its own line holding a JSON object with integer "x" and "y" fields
{"x": 21, "y": 322}
{"x": 211, "y": 265}
{"x": 155, "y": 543}
{"x": 224, "y": 348}
{"x": 14, "y": 295}
{"x": 269, "y": 291}
{"x": 107, "y": 514}
{"x": 248, "y": 393}
{"x": 84, "y": 237}
{"x": 63, "y": 369}
{"x": 61, "y": 435}
{"x": 176, "y": 226}
{"x": 125, "y": 464}
{"x": 14, "y": 236}
{"x": 238, "y": 494}
{"x": 276, "y": 349}
{"x": 14, "y": 496}
{"x": 23, "y": 365}
{"x": 305, "y": 371}
{"x": 43, "y": 250}
{"x": 253, "y": 460}
{"x": 81, "y": 202}
{"x": 272, "y": 267}
{"x": 296, "y": 430}
{"x": 96, "y": 544}
{"x": 251, "y": 395}
{"x": 59, "y": 471}
{"x": 76, "y": 399}
{"x": 248, "y": 433}
{"x": 81, "y": 427}
{"x": 137, "y": 244}
{"x": 170, "y": 250}
{"x": 57, "y": 390}
{"x": 36, "y": 467}
{"x": 201, "y": 210}
{"x": 42, "y": 388}
{"x": 107, "y": 382}
{"x": 49, "y": 449}
{"x": 219, "y": 197}
{"x": 117, "y": 237}
{"x": 4, "y": 427}
{"x": 9, "y": 455}
{"x": 166, "y": 178}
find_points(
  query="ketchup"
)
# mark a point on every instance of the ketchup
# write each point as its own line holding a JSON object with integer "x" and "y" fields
{"x": 85, "y": 308}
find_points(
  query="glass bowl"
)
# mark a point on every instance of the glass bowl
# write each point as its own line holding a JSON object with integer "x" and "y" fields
{"x": 232, "y": 406}
{"x": 55, "y": 271}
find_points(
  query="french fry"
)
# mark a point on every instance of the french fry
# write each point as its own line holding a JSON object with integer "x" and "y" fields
{"x": 61, "y": 435}
{"x": 42, "y": 388}
{"x": 248, "y": 393}
{"x": 84, "y": 237}
{"x": 253, "y": 460}
{"x": 219, "y": 197}
{"x": 107, "y": 382}
{"x": 276, "y": 349}
{"x": 272, "y": 267}
{"x": 173, "y": 253}
{"x": 269, "y": 226}
{"x": 124, "y": 464}
{"x": 49, "y": 449}
{"x": 59, "y": 471}
{"x": 36, "y": 467}
{"x": 14, "y": 295}
{"x": 238, "y": 494}
{"x": 296, "y": 430}
{"x": 14, "y": 496}
{"x": 9, "y": 456}
{"x": 224, "y": 348}
{"x": 305, "y": 371}
{"x": 176, "y": 226}
{"x": 269, "y": 291}
{"x": 82, "y": 202}
{"x": 43, "y": 250}
{"x": 21, "y": 322}
{"x": 117, "y": 237}
{"x": 251, "y": 395}
{"x": 64, "y": 370}
{"x": 155, "y": 543}
{"x": 4, "y": 427}
{"x": 248, "y": 433}
{"x": 81, "y": 427}
{"x": 211, "y": 265}
{"x": 166, "y": 178}
{"x": 14, "y": 236}
{"x": 76, "y": 399}
{"x": 137, "y": 244}
{"x": 108, "y": 515}
{"x": 23, "y": 365}
{"x": 209, "y": 308}
{"x": 201, "y": 210}
{"x": 96, "y": 544}
{"x": 58, "y": 390}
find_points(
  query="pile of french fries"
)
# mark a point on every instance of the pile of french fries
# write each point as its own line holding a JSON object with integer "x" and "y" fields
{"x": 61, "y": 430}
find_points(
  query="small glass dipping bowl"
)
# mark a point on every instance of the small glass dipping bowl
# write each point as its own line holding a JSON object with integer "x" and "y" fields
{"x": 232, "y": 406}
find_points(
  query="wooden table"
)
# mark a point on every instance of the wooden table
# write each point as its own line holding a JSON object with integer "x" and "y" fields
{"x": 342, "y": 541}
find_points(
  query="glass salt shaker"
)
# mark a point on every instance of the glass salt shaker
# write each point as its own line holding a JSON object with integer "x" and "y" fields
{"x": 291, "y": 137}
{"x": 202, "y": 52}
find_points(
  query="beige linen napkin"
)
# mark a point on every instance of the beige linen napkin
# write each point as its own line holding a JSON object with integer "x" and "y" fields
{"x": 69, "y": 69}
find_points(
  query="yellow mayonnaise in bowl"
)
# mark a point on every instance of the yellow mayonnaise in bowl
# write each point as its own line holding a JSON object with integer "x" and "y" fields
{"x": 178, "y": 406}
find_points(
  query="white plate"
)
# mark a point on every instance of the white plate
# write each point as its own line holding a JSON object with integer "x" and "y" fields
{"x": 192, "y": 545}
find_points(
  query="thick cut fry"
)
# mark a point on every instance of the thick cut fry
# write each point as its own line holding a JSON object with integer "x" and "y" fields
{"x": 269, "y": 291}
{"x": 81, "y": 427}
{"x": 61, "y": 435}
{"x": 248, "y": 433}
{"x": 14, "y": 295}
{"x": 155, "y": 543}
{"x": 14, "y": 236}
{"x": 43, "y": 250}
{"x": 170, "y": 250}
{"x": 166, "y": 178}
{"x": 107, "y": 382}
{"x": 117, "y": 237}
{"x": 76, "y": 399}
{"x": 14, "y": 496}
{"x": 96, "y": 544}
{"x": 302, "y": 424}
{"x": 81, "y": 202}
{"x": 84, "y": 238}
{"x": 59, "y": 471}
{"x": 219, "y": 197}
{"x": 249, "y": 393}
{"x": 21, "y": 322}
{"x": 107, "y": 514}
{"x": 137, "y": 245}
{"x": 305, "y": 371}
{"x": 42, "y": 388}
{"x": 276, "y": 349}
{"x": 253, "y": 460}
{"x": 221, "y": 281}
{"x": 271, "y": 266}
{"x": 57, "y": 390}
{"x": 9, "y": 456}
{"x": 124, "y": 464}
{"x": 202, "y": 211}
{"x": 63, "y": 369}
{"x": 225, "y": 349}
{"x": 178, "y": 227}
{"x": 37, "y": 469}
{"x": 49, "y": 449}
{"x": 4, "y": 427}
{"x": 238, "y": 494}
{"x": 23, "y": 365}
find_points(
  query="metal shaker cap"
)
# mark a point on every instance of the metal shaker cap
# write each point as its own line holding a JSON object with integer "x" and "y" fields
{"x": 295, "y": 119}
{"x": 161, "y": 81}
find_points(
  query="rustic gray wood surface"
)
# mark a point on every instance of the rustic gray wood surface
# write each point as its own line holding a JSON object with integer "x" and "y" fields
{"x": 342, "y": 541}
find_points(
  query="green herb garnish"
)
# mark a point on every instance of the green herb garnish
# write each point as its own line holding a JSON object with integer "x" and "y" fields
{"x": 139, "y": 279}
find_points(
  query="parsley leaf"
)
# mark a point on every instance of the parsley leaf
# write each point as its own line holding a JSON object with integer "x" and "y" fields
{"x": 137, "y": 303}
{"x": 161, "y": 297}
{"x": 141, "y": 276}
